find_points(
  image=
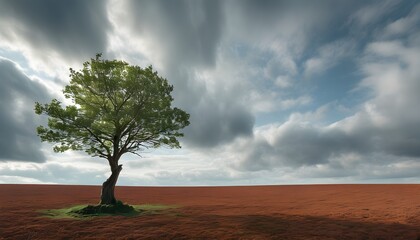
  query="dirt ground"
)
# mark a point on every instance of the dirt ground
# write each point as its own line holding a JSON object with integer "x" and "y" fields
{"x": 260, "y": 212}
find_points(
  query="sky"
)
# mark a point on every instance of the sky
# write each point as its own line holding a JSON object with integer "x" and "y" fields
{"x": 279, "y": 92}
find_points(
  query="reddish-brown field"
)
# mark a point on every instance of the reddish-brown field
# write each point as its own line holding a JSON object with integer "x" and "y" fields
{"x": 261, "y": 212}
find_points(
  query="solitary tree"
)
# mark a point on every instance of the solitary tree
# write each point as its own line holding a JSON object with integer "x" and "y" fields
{"x": 116, "y": 108}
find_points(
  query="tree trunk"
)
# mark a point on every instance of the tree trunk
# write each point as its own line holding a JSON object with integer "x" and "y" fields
{"x": 107, "y": 194}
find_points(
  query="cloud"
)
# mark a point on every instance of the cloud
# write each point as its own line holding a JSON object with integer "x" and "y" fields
{"x": 403, "y": 25}
{"x": 215, "y": 123}
{"x": 50, "y": 172}
{"x": 18, "y": 94}
{"x": 183, "y": 39}
{"x": 383, "y": 131}
{"x": 283, "y": 81}
{"x": 295, "y": 144}
{"x": 290, "y": 103}
{"x": 232, "y": 62}
{"x": 371, "y": 13}
{"x": 185, "y": 32}
{"x": 51, "y": 32}
{"x": 194, "y": 178}
{"x": 329, "y": 55}
{"x": 141, "y": 163}
{"x": 20, "y": 180}
{"x": 363, "y": 168}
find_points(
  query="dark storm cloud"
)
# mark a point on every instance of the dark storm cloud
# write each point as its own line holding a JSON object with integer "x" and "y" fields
{"x": 187, "y": 35}
{"x": 295, "y": 144}
{"x": 216, "y": 118}
{"x": 188, "y": 31}
{"x": 216, "y": 123}
{"x": 18, "y": 140}
{"x": 75, "y": 29}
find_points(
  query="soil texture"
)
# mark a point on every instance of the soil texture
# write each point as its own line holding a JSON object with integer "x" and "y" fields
{"x": 257, "y": 212}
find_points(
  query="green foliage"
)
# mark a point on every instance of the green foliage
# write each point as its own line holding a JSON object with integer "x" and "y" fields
{"x": 117, "y": 108}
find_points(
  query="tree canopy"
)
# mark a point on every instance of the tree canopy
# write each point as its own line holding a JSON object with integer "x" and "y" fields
{"x": 116, "y": 108}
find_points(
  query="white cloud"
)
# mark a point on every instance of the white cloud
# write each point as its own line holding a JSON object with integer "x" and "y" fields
{"x": 283, "y": 81}
{"x": 290, "y": 103}
{"x": 52, "y": 172}
{"x": 403, "y": 25}
{"x": 383, "y": 132}
{"x": 372, "y": 13}
{"x": 328, "y": 56}
{"x": 20, "y": 180}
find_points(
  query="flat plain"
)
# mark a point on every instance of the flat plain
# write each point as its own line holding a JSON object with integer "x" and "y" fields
{"x": 248, "y": 212}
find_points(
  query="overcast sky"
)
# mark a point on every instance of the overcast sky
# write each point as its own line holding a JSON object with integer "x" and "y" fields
{"x": 279, "y": 92}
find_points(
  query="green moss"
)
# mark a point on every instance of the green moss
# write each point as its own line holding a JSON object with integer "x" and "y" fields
{"x": 120, "y": 209}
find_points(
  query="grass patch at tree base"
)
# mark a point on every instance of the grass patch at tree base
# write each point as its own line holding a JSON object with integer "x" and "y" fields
{"x": 119, "y": 209}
